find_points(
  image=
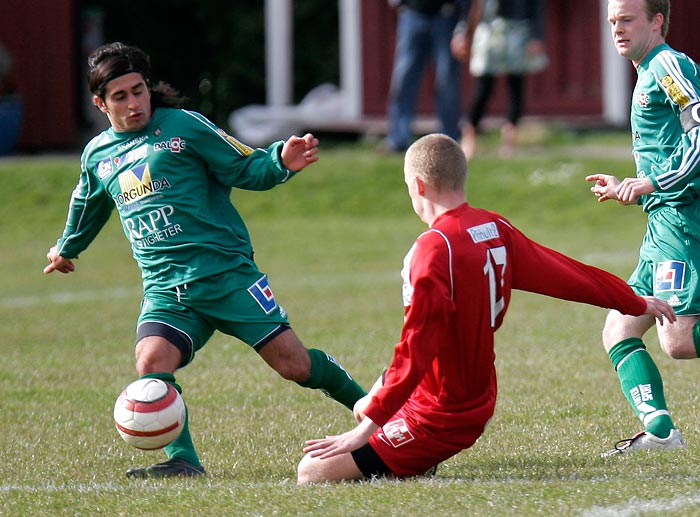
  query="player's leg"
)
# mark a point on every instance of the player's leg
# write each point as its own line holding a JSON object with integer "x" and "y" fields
{"x": 166, "y": 339}
{"x": 640, "y": 380}
{"x": 310, "y": 368}
{"x": 483, "y": 86}
{"x": 678, "y": 278}
{"x": 682, "y": 339}
{"x": 411, "y": 56}
{"x": 337, "y": 468}
{"x": 448, "y": 93}
{"x": 252, "y": 315}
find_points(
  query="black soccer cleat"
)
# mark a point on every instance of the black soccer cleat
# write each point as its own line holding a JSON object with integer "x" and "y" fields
{"x": 174, "y": 467}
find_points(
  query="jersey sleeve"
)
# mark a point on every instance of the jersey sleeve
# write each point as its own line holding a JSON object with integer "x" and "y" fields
{"x": 427, "y": 320}
{"x": 90, "y": 208}
{"x": 677, "y": 76}
{"x": 233, "y": 163}
{"x": 542, "y": 270}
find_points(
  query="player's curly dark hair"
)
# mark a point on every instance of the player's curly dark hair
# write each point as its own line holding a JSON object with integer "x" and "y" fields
{"x": 116, "y": 59}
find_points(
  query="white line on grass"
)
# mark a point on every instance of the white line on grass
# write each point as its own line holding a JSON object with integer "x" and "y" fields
{"x": 20, "y": 302}
{"x": 51, "y": 488}
{"x": 635, "y": 507}
{"x": 321, "y": 280}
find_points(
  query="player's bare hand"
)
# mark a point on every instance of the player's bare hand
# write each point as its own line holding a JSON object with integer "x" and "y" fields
{"x": 461, "y": 47}
{"x": 630, "y": 189}
{"x": 334, "y": 445}
{"x": 661, "y": 310}
{"x": 58, "y": 263}
{"x": 300, "y": 151}
{"x": 605, "y": 186}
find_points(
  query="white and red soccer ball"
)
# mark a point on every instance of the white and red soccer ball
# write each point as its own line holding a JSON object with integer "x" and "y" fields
{"x": 149, "y": 414}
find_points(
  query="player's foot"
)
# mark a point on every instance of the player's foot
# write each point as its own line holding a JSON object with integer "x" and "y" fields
{"x": 172, "y": 468}
{"x": 647, "y": 441}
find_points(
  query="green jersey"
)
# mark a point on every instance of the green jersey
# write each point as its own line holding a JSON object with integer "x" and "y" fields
{"x": 665, "y": 129}
{"x": 171, "y": 185}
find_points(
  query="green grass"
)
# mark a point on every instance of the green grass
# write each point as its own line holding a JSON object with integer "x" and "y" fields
{"x": 332, "y": 242}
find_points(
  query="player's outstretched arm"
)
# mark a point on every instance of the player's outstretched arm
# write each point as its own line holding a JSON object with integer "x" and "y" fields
{"x": 659, "y": 309}
{"x": 300, "y": 151}
{"x": 58, "y": 263}
{"x": 330, "y": 446}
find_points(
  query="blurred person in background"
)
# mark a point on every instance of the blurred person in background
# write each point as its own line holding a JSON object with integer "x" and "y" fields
{"x": 423, "y": 33}
{"x": 508, "y": 41}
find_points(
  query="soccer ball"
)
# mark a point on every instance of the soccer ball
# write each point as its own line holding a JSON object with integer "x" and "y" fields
{"x": 149, "y": 414}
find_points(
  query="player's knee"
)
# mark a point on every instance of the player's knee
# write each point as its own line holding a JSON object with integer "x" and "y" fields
{"x": 679, "y": 349}
{"x": 307, "y": 473}
{"x": 155, "y": 354}
{"x": 610, "y": 336}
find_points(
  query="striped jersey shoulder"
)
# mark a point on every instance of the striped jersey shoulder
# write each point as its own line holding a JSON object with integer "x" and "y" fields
{"x": 240, "y": 147}
{"x": 675, "y": 72}
{"x": 435, "y": 231}
{"x": 90, "y": 148}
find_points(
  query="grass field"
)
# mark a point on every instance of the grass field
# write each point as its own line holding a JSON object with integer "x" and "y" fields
{"x": 332, "y": 242}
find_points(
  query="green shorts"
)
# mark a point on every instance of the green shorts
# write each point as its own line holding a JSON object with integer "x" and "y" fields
{"x": 240, "y": 305}
{"x": 669, "y": 259}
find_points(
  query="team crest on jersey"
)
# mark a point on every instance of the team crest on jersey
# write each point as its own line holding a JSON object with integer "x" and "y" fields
{"x": 396, "y": 433}
{"x": 670, "y": 276}
{"x": 643, "y": 99}
{"x": 137, "y": 184}
{"x": 677, "y": 95}
{"x": 104, "y": 167}
{"x": 262, "y": 293}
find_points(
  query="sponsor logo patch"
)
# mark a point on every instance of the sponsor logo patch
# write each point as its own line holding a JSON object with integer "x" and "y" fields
{"x": 262, "y": 293}
{"x": 242, "y": 148}
{"x": 677, "y": 95}
{"x": 174, "y": 145}
{"x": 670, "y": 276}
{"x": 483, "y": 232}
{"x": 136, "y": 184}
{"x": 396, "y": 433}
{"x": 131, "y": 156}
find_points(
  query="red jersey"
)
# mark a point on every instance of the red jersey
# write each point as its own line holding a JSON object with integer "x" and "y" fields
{"x": 458, "y": 278}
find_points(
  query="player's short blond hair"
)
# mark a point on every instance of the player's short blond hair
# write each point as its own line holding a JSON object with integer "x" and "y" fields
{"x": 438, "y": 161}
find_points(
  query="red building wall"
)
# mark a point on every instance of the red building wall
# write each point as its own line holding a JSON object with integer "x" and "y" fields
{"x": 43, "y": 39}
{"x": 40, "y": 36}
{"x": 570, "y": 86}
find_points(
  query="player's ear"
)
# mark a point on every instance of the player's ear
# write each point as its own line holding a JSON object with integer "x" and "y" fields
{"x": 99, "y": 103}
{"x": 421, "y": 186}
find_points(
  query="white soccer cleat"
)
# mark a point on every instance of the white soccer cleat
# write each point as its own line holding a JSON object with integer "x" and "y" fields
{"x": 644, "y": 441}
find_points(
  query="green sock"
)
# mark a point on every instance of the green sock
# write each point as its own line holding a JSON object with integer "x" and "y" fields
{"x": 642, "y": 385}
{"x": 182, "y": 447}
{"x": 330, "y": 377}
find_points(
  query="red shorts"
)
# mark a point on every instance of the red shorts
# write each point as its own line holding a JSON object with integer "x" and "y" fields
{"x": 411, "y": 448}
